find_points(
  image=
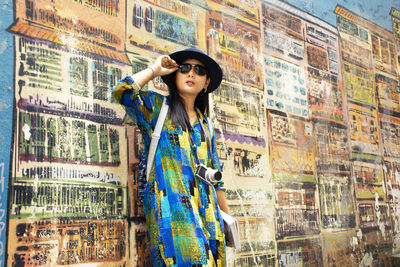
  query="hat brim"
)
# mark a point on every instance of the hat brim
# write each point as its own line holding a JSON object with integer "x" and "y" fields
{"x": 213, "y": 68}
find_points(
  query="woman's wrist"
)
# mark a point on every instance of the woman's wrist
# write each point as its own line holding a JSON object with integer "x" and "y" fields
{"x": 153, "y": 72}
{"x": 155, "y": 69}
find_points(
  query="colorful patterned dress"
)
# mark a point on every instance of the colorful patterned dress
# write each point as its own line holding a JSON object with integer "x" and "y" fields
{"x": 183, "y": 217}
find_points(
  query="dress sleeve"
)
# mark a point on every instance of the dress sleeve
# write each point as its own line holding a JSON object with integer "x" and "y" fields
{"x": 140, "y": 105}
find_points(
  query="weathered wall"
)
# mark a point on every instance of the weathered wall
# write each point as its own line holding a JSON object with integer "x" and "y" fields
{"x": 307, "y": 121}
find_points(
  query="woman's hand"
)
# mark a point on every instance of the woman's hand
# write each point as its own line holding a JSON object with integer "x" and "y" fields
{"x": 221, "y": 199}
{"x": 164, "y": 65}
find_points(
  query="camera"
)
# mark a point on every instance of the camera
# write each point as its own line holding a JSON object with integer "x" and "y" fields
{"x": 207, "y": 174}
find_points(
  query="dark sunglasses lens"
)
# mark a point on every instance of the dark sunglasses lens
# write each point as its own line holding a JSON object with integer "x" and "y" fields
{"x": 185, "y": 68}
{"x": 200, "y": 70}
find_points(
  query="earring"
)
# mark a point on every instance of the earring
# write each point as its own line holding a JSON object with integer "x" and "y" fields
{"x": 204, "y": 90}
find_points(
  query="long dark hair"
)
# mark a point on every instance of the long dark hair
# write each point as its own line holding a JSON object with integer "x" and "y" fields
{"x": 179, "y": 116}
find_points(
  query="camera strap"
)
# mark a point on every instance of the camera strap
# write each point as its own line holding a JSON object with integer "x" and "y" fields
{"x": 208, "y": 139}
{"x": 193, "y": 147}
{"x": 194, "y": 150}
{"x": 206, "y": 135}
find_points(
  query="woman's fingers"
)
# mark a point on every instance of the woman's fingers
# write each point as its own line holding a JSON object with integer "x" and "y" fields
{"x": 167, "y": 62}
{"x": 168, "y": 65}
{"x": 164, "y": 65}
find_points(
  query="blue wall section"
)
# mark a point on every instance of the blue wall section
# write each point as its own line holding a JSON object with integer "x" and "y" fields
{"x": 374, "y": 11}
{"x": 6, "y": 109}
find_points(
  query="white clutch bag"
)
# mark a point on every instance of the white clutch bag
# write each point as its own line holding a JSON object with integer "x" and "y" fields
{"x": 231, "y": 227}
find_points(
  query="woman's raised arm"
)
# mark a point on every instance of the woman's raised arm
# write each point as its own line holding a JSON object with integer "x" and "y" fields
{"x": 163, "y": 65}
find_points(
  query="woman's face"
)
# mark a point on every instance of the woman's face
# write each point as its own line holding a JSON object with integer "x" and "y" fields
{"x": 190, "y": 84}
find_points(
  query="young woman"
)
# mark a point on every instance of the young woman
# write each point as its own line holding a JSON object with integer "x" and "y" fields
{"x": 182, "y": 210}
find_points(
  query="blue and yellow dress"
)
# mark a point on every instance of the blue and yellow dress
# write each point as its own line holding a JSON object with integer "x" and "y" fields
{"x": 182, "y": 214}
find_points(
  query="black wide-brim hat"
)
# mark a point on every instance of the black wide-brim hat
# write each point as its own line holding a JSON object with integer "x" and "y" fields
{"x": 213, "y": 68}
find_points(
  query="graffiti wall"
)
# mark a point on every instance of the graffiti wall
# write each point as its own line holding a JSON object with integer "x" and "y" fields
{"x": 307, "y": 121}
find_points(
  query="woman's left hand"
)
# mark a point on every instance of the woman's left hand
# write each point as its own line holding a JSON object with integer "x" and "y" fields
{"x": 164, "y": 65}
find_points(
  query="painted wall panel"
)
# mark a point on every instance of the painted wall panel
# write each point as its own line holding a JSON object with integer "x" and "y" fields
{"x": 307, "y": 123}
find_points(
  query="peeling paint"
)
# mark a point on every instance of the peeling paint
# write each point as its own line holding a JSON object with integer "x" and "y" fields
{"x": 4, "y": 105}
{"x": 27, "y": 132}
{"x": 5, "y": 4}
{"x": 381, "y": 225}
{"x": 3, "y": 46}
{"x": 367, "y": 260}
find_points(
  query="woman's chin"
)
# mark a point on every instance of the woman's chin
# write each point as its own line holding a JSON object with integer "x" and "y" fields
{"x": 189, "y": 92}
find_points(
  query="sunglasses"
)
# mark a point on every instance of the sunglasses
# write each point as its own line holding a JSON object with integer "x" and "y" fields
{"x": 198, "y": 69}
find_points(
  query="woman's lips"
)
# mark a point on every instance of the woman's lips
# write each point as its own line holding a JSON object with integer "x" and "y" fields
{"x": 190, "y": 83}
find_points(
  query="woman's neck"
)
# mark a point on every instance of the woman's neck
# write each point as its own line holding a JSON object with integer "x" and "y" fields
{"x": 189, "y": 107}
{"x": 192, "y": 114}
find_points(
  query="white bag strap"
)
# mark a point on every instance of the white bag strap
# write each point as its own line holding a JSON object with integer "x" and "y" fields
{"x": 155, "y": 137}
{"x": 210, "y": 127}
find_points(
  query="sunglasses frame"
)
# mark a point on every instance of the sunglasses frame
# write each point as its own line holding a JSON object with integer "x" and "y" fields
{"x": 198, "y": 69}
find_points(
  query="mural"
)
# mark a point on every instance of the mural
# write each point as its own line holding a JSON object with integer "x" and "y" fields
{"x": 307, "y": 121}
